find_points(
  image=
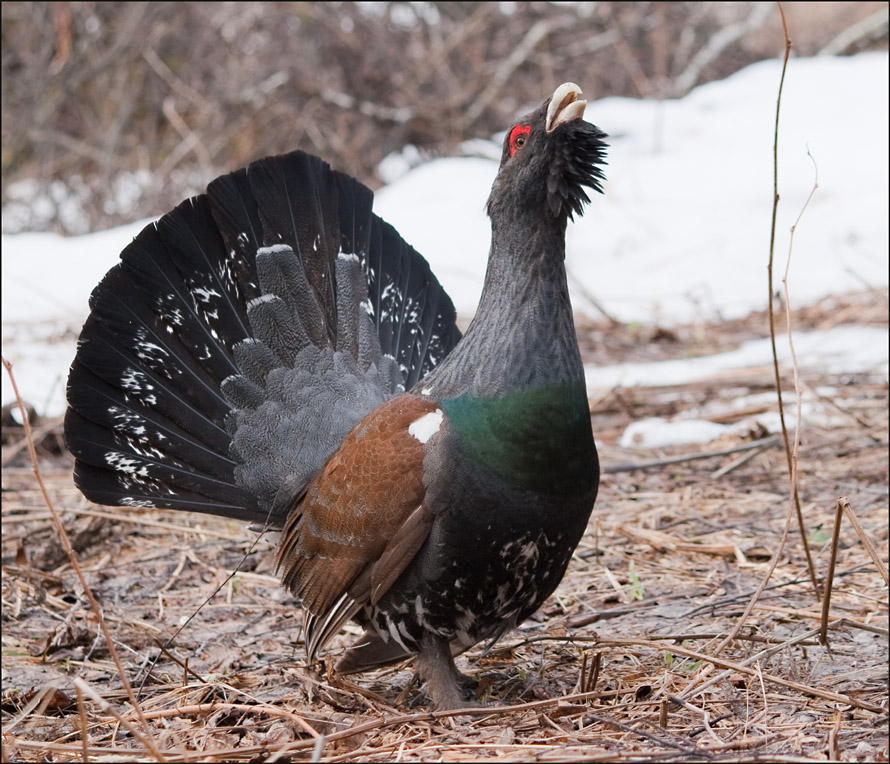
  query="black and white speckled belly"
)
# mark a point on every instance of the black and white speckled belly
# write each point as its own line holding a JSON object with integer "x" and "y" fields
{"x": 487, "y": 589}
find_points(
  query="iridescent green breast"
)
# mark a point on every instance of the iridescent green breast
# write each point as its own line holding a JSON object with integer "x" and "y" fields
{"x": 538, "y": 439}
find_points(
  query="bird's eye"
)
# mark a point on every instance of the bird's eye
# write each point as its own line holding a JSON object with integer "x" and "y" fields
{"x": 518, "y": 137}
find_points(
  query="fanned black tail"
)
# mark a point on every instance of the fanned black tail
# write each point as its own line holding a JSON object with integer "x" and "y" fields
{"x": 241, "y": 336}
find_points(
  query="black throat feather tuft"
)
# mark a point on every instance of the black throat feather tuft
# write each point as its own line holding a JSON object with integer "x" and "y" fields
{"x": 580, "y": 153}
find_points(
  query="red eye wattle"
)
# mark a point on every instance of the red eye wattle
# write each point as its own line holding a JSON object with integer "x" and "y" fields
{"x": 518, "y": 137}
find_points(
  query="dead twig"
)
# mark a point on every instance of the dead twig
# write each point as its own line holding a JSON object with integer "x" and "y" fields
{"x": 744, "y": 669}
{"x": 833, "y": 751}
{"x": 863, "y": 537}
{"x": 198, "y": 709}
{"x": 590, "y": 671}
{"x": 795, "y": 498}
{"x": 75, "y": 564}
{"x": 183, "y": 664}
{"x": 663, "y": 542}
{"x": 133, "y": 519}
{"x": 144, "y": 738}
{"x": 829, "y": 577}
{"x": 754, "y": 659}
{"x": 738, "y": 462}
{"x": 723, "y": 601}
{"x": 760, "y": 444}
{"x": 643, "y": 734}
{"x": 170, "y": 641}
{"x": 791, "y": 456}
{"x": 705, "y": 716}
{"x": 84, "y": 727}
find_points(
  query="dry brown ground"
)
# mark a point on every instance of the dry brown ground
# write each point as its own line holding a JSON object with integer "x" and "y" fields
{"x": 625, "y": 662}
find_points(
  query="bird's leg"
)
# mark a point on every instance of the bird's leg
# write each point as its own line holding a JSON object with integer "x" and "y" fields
{"x": 447, "y": 687}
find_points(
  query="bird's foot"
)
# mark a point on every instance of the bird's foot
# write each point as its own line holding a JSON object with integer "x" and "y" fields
{"x": 447, "y": 687}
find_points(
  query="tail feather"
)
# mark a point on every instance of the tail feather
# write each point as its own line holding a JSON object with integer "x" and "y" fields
{"x": 105, "y": 487}
{"x": 402, "y": 281}
{"x": 234, "y": 210}
{"x": 180, "y": 269}
{"x": 240, "y": 338}
{"x": 150, "y": 372}
{"x": 355, "y": 201}
{"x": 352, "y": 292}
{"x": 273, "y": 323}
{"x": 254, "y": 360}
{"x": 369, "y": 652}
{"x": 101, "y": 404}
{"x": 146, "y": 475}
{"x": 305, "y": 217}
{"x": 280, "y": 274}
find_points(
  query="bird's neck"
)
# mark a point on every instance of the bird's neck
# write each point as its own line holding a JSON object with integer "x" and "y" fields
{"x": 513, "y": 388}
{"x": 523, "y": 336}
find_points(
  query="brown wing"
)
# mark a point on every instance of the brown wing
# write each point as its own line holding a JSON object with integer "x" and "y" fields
{"x": 361, "y": 521}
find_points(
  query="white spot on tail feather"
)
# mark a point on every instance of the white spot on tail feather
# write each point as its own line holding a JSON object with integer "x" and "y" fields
{"x": 274, "y": 249}
{"x": 262, "y": 298}
{"x": 427, "y": 426}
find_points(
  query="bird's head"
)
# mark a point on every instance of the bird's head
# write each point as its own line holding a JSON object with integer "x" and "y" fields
{"x": 549, "y": 156}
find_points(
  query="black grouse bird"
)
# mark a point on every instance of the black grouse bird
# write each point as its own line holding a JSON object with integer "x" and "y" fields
{"x": 273, "y": 351}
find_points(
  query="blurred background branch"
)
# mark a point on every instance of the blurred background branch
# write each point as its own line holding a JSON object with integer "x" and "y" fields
{"x": 115, "y": 111}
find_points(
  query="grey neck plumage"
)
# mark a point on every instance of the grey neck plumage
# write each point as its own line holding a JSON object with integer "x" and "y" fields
{"x": 523, "y": 334}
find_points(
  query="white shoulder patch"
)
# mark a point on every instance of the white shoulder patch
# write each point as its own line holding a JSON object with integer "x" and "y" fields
{"x": 428, "y": 425}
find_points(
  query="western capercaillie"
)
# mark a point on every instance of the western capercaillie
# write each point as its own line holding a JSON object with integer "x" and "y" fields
{"x": 273, "y": 351}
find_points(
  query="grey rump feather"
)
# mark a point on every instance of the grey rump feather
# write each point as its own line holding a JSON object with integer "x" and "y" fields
{"x": 285, "y": 429}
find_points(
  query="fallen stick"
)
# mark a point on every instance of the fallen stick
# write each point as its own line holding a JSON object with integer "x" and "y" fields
{"x": 772, "y": 440}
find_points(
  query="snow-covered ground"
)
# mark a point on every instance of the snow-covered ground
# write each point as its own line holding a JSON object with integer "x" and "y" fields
{"x": 845, "y": 351}
{"x": 681, "y": 233}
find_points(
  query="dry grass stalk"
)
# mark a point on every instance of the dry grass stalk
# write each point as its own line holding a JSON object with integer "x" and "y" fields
{"x": 757, "y": 446}
{"x": 743, "y": 668}
{"x": 790, "y": 457}
{"x": 844, "y": 504}
{"x": 829, "y": 577}
{"x": 72, "y": 556}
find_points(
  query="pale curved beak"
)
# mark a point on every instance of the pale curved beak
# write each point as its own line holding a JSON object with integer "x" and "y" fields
{"x": 564, "y": 106}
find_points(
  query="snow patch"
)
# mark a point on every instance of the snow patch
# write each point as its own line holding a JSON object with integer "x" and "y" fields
{"x": 841, "y": 350}
{"x": 656, "y": 432}
{"x": 682, "y": 231}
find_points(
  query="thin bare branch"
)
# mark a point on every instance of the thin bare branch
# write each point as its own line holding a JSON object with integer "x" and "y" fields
{"x": 719, "y": 42}
{"x": 75, "y": 563}
{"x": 829, "y": 577}
{"x": 869, "y": 28}
{"x": 539, "y": 31}
{"x": 863, "y": 537}
{"x": 772, "y": 326}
